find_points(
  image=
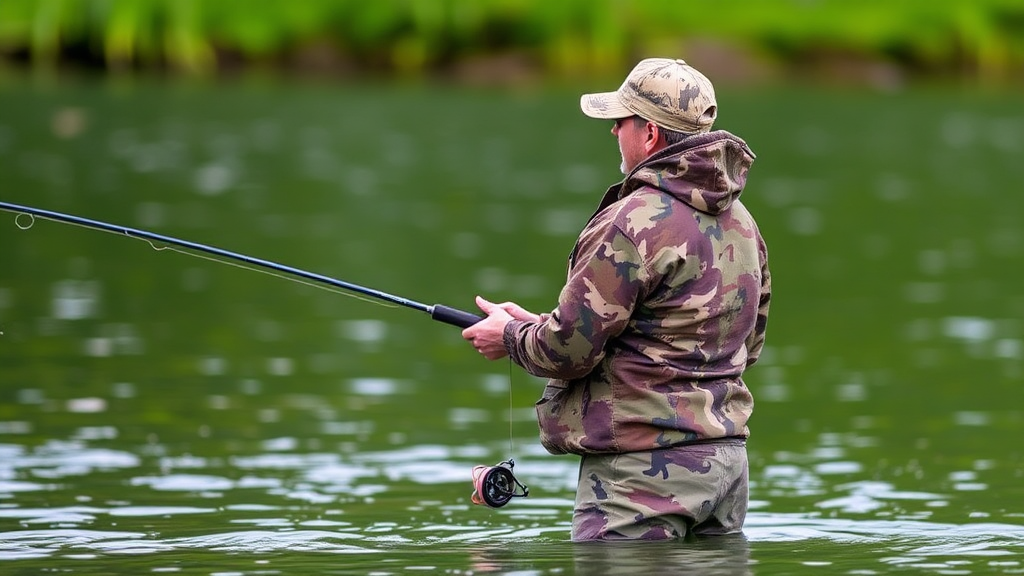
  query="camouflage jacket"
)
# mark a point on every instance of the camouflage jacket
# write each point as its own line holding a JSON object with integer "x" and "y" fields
{"x": 665, "y": 305}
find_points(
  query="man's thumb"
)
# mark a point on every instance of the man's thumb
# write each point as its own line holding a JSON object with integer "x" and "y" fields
{"x": 485, "y": 305}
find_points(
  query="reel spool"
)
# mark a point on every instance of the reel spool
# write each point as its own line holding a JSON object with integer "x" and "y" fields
{"x": 495, "y": 485}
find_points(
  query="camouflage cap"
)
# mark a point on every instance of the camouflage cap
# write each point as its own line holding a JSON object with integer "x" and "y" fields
{"x": 670, "y": 93}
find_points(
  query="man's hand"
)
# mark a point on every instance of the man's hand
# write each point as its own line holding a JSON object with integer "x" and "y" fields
{"x": 487, "y": 335}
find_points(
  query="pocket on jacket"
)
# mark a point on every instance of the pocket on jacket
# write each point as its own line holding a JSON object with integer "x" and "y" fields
{"x": 553, "y": 432}
{"x": 551, "y": 389}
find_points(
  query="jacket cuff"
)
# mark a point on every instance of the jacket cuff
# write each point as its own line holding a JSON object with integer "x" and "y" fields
{"x": 509, "y": 337}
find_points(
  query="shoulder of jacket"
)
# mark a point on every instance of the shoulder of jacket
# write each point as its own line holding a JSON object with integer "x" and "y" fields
{"x": 645, "y": 204}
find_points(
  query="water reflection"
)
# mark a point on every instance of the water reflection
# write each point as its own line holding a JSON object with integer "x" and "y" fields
{"x": 75, "y": 299}
{"x": 723, "y": 555}
{"x": 906, "y": 544}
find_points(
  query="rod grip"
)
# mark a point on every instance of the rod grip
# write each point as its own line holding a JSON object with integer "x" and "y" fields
{"x": 454, "y": 316}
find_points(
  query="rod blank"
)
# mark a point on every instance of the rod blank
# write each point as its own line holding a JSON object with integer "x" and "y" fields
{"x": 438, "y": 312}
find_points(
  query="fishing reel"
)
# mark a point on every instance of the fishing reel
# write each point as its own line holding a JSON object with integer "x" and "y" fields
{"x": 495, "y": 485}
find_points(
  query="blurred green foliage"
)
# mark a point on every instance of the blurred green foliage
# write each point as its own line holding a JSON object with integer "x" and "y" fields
{"x": 984, "y": 38}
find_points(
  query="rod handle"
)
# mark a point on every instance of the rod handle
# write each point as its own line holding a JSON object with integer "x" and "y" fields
{"x": 453, "y": 316}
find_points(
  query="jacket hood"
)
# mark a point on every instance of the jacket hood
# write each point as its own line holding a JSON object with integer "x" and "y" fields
{"x": 706, "y": 171}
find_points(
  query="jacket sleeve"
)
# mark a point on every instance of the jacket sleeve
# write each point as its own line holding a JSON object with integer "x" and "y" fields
{"x": 755, "y": 341}
{"x": 604, "y": 285}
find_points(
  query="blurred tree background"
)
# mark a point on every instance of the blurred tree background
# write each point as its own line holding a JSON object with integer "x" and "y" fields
{"x": 879, "y": 42}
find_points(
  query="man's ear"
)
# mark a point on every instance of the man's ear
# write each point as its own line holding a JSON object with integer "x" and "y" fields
{"x": 653, "y": 136}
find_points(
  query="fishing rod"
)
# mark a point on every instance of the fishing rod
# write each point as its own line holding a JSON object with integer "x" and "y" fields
{"x": 493, "y": 486}
{"x": 438, "y": 312}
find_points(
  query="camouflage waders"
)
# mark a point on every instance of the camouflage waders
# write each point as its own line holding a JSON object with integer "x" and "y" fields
{"x": 698, "y": 489}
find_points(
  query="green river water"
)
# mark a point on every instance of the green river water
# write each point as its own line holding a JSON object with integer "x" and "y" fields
{"x": 161, "y": 413}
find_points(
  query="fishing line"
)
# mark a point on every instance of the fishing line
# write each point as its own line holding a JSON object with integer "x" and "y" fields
{"x": 152, "y": 244}
{"x": 267, "y": 272}
{"x": 511, "y": 450}
{"x": 495, "y": 486}
{"x": 274, "y": 274}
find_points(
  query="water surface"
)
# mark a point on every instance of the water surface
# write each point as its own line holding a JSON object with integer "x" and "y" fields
{"x": 163, "y": 413}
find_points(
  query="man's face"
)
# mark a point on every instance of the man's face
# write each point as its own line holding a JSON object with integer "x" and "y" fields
{"x": 631, "y": 133}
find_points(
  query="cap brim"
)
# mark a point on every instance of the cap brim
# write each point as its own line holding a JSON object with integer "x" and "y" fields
{"x": 604, "y": 105}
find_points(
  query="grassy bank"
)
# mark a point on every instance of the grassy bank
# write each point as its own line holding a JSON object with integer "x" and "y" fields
{"x": 974, "y": 38}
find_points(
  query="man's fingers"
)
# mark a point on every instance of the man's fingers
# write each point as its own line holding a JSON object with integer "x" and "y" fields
{"x": 518, "y": 312}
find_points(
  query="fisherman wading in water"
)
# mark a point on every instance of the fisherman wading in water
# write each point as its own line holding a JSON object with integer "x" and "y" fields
{"x": 664, "y": 308}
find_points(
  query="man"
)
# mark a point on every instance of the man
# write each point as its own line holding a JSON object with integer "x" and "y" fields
{"x": 665, "y": 306}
